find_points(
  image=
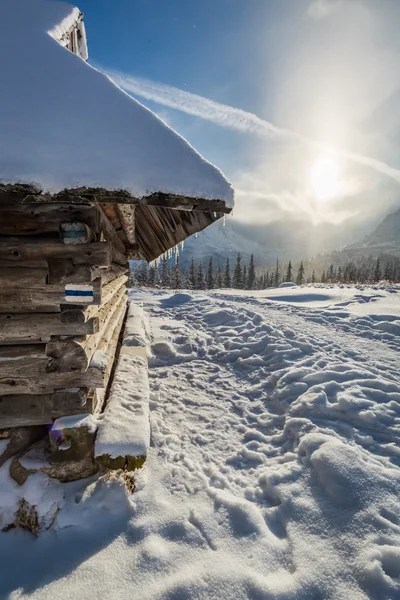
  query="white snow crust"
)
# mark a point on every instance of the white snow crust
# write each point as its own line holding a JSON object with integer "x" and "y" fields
{"x": 124, "y": 428}
{"x": 274, "y": 467}
{"x": 64, "y": 124}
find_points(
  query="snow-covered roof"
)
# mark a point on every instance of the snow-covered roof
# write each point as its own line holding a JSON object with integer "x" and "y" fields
{"x": 64, "y": 124}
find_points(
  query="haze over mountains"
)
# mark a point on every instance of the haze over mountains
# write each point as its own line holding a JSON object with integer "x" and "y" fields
{"x": 384, "y": 238}
{"x": 293, "y": 239}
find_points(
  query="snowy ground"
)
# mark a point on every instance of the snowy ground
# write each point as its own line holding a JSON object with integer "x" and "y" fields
{"x": 274, "y": 470}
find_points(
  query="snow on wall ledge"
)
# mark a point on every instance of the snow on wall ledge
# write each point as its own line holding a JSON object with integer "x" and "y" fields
{"x": 63, "y": 124}
{"x": 124, "y": 429}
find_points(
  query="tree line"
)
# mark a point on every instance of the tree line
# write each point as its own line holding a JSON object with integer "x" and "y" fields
{"x": 242, "y": 275}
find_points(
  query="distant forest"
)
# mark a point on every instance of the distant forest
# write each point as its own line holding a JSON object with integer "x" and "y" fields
{"x": 240, "y": 275}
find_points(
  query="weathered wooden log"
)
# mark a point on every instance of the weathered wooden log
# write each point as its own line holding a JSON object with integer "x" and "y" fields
{"x": 108, "y": 293}
{"x": 110, "y": 210}
{"x": 27, "y": 410}
{"x": 108, "y": 347}
{"x": 118, "y": 257}
{"x": 16, "y": 277}
{"x": 66, "y": 355}
{"x": 48, "y": 298}
{"x": 39, "y": 328}
{"x": 78, "y": 351}
{"x": 104, "y": 316}
{"x": 110, "y": 235}
{"x": 72, "y": 439}
{"x": 45, "y": 218}
{"x": 127, "y": 217}
{"x": 23, "y": 360}
{"x": 113, "y": 272}
{"x": 63, "y": 271}
{"x": 51, "y": 382}
{"x": 18, "y": 251}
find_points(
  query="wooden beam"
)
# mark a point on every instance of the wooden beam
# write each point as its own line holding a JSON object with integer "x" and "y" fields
{"x": 33, "y": 360}
{"x": 44, "y": 218}
{"x": 158, "y": 229}
{"x": 24, "y": 361}
{"x": 39, "y": 328}
{"x": 106, "y": 315}
{"x": 63, "y": 271}
{"x": 66, "y": 355}
{"x": 49, "y": 298}
{"x": 78, "y": 351}
{"x": 108, "y": 292}
{"x": 18, "y": 251}
{"x": 16, "y": 277}
{"x": 127, "y": 217}
{"x": 93, "y": 377}
{"x": 109, "y": 345}
{"x": 110, "y": 235}
{"x": 27, "y": 410}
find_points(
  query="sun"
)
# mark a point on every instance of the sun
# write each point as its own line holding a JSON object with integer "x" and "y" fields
{"x": 324, "y": 178}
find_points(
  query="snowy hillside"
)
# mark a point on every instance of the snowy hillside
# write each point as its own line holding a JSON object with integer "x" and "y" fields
{"x": 274, "y": 470}
{"x": 385, "y": 238}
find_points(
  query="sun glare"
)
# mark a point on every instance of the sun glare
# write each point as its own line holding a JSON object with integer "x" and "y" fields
{"x": 324, "y": 178}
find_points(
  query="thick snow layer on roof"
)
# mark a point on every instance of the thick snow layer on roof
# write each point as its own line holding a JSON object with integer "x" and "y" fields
{"x": 65, "y": 124}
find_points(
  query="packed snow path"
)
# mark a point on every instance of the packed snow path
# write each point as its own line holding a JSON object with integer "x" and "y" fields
{"x": 274, "y": 470}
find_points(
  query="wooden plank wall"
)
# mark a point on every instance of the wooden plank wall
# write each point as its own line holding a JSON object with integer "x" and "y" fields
{"x": 62, "y": 304}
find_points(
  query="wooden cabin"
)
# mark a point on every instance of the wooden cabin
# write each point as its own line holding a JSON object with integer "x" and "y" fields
{"x": 64, "y": 255}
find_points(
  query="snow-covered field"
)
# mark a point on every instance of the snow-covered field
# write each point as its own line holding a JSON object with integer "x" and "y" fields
{"x": 274, "y": 469}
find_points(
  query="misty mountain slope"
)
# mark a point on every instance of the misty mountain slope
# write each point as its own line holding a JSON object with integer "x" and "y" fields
{"x": 385, "y": 238}
{"x": 220, "y": 242}
{"x": 286, "y": 239}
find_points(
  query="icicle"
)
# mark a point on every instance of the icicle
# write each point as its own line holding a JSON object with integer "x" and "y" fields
{"x": 224, "y": 221}
{"x": 196, "y": 234}
{"x": 215, "y": 215}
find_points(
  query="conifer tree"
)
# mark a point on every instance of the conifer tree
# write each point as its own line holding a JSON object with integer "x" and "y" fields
{"x": 237, "y": 281}
{"x": 227, "y": 275}
{"x": 218, "y": 278}
{"x": 191, "y": 276}
{"x": 251, "y": 275}
{"x": 377, "y": 272}
{"x": 142, "y": 273}
{"x": 313, "y": 277}
{"x": 387, "y": 275}
{"x": 244, "y": 278}
{"x": 153, "y": 272}
{"x": 339, "y": 274}
{"x": 210, "y": 275}
{"x": 277, "y": 275}
{"x": 288, "y": 276}
{"x": 300, "y": 275}
{"x": 177, "y": 278}
{"x": 200, "y": 279}
{"x": 165, "y": 273}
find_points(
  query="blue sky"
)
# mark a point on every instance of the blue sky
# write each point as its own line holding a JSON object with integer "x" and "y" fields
{"x": 323, "y": 70}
